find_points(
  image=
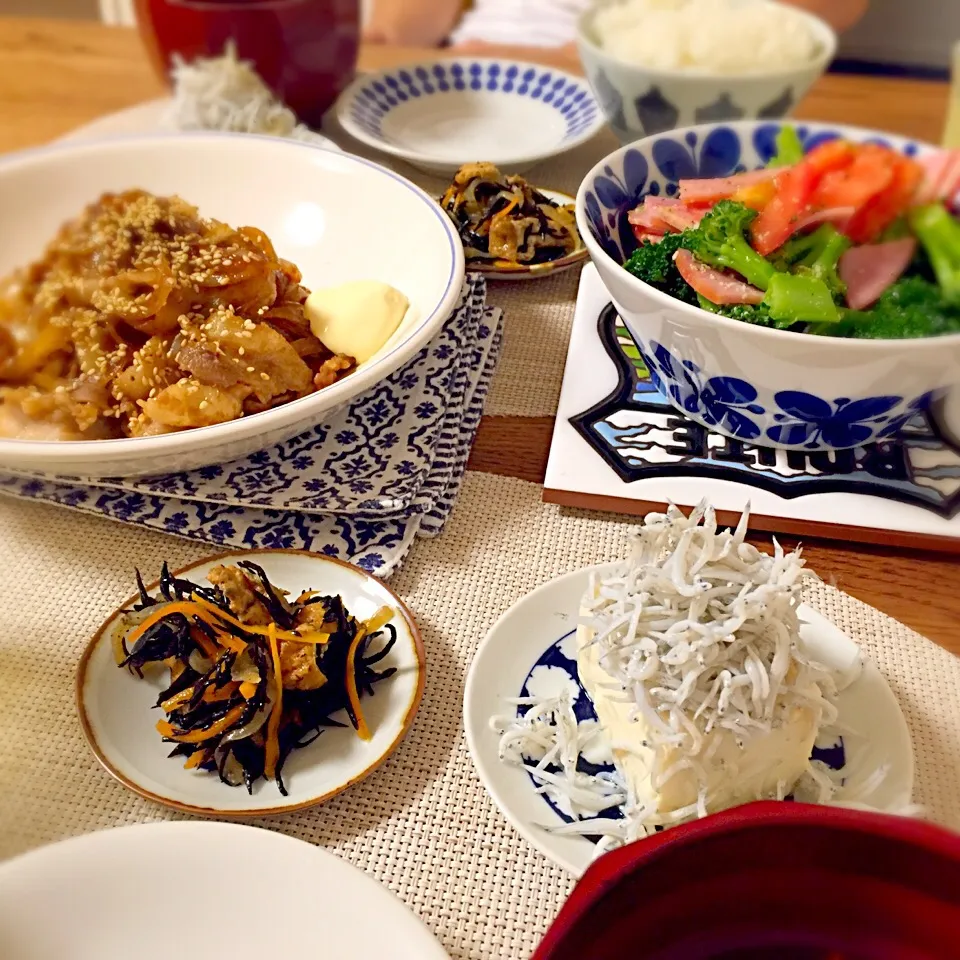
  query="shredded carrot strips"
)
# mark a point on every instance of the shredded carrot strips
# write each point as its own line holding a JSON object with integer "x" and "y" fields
{"x": 195, "y": 759}
{"x": 116, "y": 641}
{"x": 200, "y": 638}
{"x": 316, "y": 637}
{"x": 214, "y": 695}
{"x": 271, "y": 753}
{"x": 198, "y": 736}
{"x": 185, "y": 607}
{"x": 248, "y": 689}
{"x": 372, "y": 624}
{"x": 363, "y": 731}
{"x": 178, "y": 699}
{"x": 229, "y": 642}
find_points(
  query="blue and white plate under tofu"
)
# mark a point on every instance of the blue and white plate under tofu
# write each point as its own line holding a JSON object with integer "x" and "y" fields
{"x": 623, "y": 699}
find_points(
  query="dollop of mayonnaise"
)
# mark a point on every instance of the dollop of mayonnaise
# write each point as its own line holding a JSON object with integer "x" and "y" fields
{"x": 356, "y": 318}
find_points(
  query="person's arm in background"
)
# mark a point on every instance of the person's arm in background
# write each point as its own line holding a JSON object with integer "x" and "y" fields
{"x": 840, "y": 14}
{"x": 427, "y": 23}
{"x": 412, "y": 23}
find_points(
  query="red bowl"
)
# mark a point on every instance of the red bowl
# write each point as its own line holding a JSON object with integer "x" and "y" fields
{"x": 770, "y": 880}
{"x": 305, "y": 50}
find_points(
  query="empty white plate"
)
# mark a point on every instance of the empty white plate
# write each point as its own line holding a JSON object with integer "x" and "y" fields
{"x": 198, "y": 891}
{"x": 538, "y": 632}
{"x": 119, "y": 719}
{"x": 442, "y": 114}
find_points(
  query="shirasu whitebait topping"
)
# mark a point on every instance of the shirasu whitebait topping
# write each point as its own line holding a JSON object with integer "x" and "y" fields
{"x": 224, "y": 93}
{"x": 549, "y": 736}
{"x": 698, "y": 638}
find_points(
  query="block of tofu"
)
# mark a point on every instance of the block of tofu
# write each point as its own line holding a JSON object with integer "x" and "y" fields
{"x": 738, "y": 768}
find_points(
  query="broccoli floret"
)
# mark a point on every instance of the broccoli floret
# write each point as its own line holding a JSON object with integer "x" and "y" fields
{"x": 939, "y": 233}
{"x": 912, "y": 307}
{"x": 793, "y": 298}
{"x": 720, "y": 241}
{"x": 816, "y": 254}
{"x": 745, "y": 312}
{"x": 653, "y": 263}
{"x": 789, "y": 148}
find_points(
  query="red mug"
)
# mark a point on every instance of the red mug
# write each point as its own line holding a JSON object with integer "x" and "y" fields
{"x": 770, "y": 881}
{"x": 305, "y": 50}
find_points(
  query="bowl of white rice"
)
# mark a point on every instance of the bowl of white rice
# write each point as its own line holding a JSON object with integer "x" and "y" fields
{"x": 659, "y": 64}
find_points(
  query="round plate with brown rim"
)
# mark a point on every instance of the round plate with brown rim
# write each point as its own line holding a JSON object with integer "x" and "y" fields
{"x": 505, "y": 270}
{"x": 119, "y": 720}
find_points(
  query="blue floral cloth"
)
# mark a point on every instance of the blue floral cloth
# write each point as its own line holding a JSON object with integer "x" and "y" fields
{"x": 360, "y": 486}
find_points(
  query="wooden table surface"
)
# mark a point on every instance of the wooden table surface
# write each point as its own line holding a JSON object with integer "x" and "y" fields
{"x": 56, "y": 75}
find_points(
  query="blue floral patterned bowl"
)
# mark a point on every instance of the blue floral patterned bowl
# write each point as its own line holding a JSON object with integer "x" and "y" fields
{"x": 640, "y": 101}
{"x": 767, "y": 387}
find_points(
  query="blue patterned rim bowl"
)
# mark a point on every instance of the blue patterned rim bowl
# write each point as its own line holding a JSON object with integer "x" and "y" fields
{"x": 771, "y": 388}
{"x": 438, "y": 115}
{"x": 641, "y": 101}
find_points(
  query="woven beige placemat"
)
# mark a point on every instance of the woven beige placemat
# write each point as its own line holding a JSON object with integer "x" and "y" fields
{"x": 422, "y": 824}
{"x": 538, "y": 313}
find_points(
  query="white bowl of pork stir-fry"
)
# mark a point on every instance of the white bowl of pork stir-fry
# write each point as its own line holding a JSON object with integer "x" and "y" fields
{"x": 176, "y": 301}
{"x": 791, "y": 287}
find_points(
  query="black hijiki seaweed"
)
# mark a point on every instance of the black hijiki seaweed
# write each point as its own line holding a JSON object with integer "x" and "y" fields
{"x": 306, "y": 713}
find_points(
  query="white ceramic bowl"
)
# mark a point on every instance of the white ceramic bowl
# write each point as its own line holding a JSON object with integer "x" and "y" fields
{"x": 441, "y": 114}
{"x": 639, "y": 101}
{"x": 768, "y": 387}
{"x": 336, "y": 216}
{"x": 119, "y": 720}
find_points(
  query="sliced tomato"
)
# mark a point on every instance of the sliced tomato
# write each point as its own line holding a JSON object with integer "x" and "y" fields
{"x": 880, "y": 211}
{"x": 777, "y": 221}
{"x": 832, "y": 155}
{"x": 870, "y": 172}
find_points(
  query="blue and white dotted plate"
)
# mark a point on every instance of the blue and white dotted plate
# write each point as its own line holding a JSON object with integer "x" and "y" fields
{"x": 440, "y": 115}
{"x": 531, "y": 650}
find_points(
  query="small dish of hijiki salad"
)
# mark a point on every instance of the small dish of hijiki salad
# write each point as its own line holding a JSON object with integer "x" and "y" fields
{"x": 844, "y": 239}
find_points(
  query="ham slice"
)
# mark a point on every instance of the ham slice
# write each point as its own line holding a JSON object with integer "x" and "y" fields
{"x": 941, "y": 176}
{"x": 647, "y": 215}
{"x": 870, "y": 269}
{"x": 718, "y": 287}
{"x": 838, "y": 216}
{"x": 664, "y": 214}
{"x": 683, "y": 217}
{"x": 719, "y": 188}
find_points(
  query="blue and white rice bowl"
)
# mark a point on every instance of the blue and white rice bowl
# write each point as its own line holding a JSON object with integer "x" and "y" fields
{"x": 767, "y": 387}
{"x": 439, "y": 115}
{"x": 640, "y": 101}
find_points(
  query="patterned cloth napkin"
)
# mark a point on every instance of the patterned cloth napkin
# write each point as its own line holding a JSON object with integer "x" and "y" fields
{"x": 362, "y": 485}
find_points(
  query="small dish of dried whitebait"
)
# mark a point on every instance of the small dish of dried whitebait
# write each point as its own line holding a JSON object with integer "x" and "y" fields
{"x": 622, "y": 699}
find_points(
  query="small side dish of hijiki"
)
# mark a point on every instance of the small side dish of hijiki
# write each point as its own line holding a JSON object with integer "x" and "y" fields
{"x": 704, "y": 693}
{"x": 505, "y": 223}
{"x": 254, "y": 674}
{"x": 843, "y": 239}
